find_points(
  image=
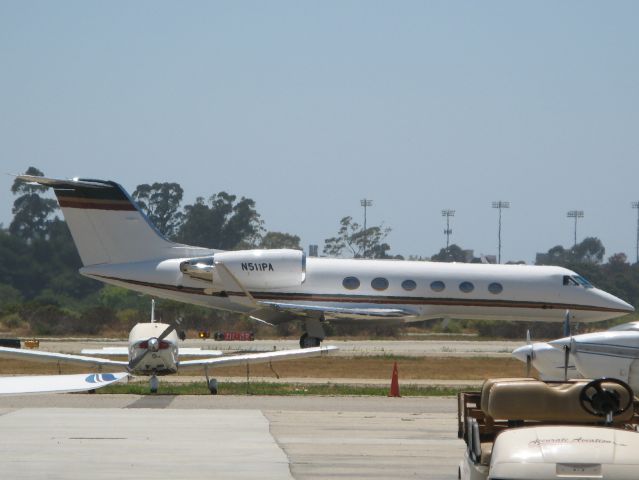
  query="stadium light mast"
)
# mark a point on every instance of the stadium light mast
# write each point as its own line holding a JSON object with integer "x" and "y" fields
{"x": 636, "y": 206}
{"x": 448, "y": 213}
{"x": 500, "y": 205}
{"x": 575, "y": 214}
{"x": 365, "y": 202}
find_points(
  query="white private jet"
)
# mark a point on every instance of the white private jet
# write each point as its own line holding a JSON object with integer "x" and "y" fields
{"x": 152, "y": 350}
{"x": 118, "y": 245}
{"x": 613, "y": 353}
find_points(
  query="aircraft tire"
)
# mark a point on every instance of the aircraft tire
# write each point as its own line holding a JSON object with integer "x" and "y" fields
{"x": 154, "y": 384}
{"x": 212, "y": 384}
{"x": 308, "y": 342}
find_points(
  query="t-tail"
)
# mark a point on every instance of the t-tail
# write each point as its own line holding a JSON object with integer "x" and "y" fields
{"x": 107, "y": 226}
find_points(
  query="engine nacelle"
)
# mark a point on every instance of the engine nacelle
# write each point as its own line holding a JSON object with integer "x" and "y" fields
{"x": 262, "y": 269}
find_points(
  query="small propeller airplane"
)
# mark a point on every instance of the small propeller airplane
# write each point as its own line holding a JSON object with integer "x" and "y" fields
{"x": 613, "y": 353}
{"x": 152, "y": 350}
{"x": 118, "y": 245}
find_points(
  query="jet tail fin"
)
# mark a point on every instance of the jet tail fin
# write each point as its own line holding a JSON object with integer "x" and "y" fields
{"x": 106, "y": 224}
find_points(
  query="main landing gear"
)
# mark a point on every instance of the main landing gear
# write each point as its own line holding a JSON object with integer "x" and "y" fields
{"x": 314, "y": 333}
{"x": 210, "y": 382}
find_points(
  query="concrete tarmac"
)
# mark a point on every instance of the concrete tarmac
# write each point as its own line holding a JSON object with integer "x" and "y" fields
{"x": 130, "y": 436}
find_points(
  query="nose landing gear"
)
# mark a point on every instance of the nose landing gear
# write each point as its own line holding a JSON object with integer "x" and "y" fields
{"x": 154, "y": 384}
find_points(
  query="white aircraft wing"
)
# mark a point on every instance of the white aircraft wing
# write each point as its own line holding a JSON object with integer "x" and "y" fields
{"x": 250, "y": 358}
{"x": 33, "y": 384}
{"x": 124, "y": 351}
{"x": 52, "y": 357}
{"x": 340, "y": 312}
{"x": 199, "y": 352}
{"x": 118, "y": 351}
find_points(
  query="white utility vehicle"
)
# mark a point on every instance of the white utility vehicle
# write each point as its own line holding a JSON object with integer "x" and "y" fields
{"x": 522, "y": 428}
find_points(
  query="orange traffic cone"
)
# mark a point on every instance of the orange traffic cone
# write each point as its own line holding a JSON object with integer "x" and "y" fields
{"x": 394, "y": 389}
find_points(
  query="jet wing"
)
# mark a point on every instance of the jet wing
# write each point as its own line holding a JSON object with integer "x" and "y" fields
{"x": 337, "y": 312}
{"x": 250, "y": 358}
{"x": 33, "y": 384}
{"x": 51, "y": 357}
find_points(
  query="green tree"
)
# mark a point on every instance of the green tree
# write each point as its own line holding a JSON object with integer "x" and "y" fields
{"x": 589, "y": 250}
{"x": 280, "y": 240}
{"x": 352, "y": 238}
{"x": 161, "y": 204}
{"x": 453, "y": 254}
{"x": 222, "y": 222}
{"x": 31, "y": 212}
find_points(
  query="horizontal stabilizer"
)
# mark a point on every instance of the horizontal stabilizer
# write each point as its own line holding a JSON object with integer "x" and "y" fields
{"x": 51, "y": 357}
{"x": 34, "y": 384}
{"x": 265, "y": 357}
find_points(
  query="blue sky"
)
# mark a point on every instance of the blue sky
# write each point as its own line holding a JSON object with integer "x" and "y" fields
{"x": 307, "y": 107}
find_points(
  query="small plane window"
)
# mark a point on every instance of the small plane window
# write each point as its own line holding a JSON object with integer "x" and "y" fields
{"x": 568, "y": 280}
{"x": 379, "y": 283}
{"x": 351, "y": 283}
{"x": 437, "y": 286}
{"x": 582, "y": 281}
{"x": 466, "y": 287}
{"x": 409, "y": 285}
{"x": 495, "y": 288}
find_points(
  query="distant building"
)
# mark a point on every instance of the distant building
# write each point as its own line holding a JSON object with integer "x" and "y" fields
{"x": 313, "y": 250}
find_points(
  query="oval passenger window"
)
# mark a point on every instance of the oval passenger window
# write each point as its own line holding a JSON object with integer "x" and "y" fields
{"x": 409, "y": 285}
{"x": 466, "y": 287}
{"x": 351, "y": 283}
{"x": 379, "y": 283}
{"x": 437, "y": 286}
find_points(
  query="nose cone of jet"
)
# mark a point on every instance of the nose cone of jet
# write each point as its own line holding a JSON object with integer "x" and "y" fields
{"x": 522, "y": 353}
{"x": 613, "y": 303}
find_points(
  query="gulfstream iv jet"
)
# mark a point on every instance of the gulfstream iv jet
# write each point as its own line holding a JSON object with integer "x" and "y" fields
{"x": 118, "y": 245}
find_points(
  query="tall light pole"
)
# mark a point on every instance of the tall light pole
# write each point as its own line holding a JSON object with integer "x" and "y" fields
{"x": 500, "y": 205}
{"x": 448, "y": 213}
{"x": 575, "y": 214}
{"x": 636, "y": 205}
{"x": 364, "y": 202}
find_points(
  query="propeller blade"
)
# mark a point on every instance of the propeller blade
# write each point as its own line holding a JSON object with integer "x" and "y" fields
{"x": 566, "y": 359}
{"x": 134, "y": 362}
{"x": 166, "y": 332}
{"x": 528, "y": 365}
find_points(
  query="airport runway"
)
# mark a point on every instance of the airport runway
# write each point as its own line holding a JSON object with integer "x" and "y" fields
{"x": 128, "y": 436}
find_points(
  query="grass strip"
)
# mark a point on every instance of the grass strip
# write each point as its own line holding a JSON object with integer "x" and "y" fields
{"x": 264, "y": 388}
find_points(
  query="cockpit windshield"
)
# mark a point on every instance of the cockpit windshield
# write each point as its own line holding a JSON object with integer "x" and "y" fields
{"x": 577, "y": 281}
{"x": 583, "y": 282}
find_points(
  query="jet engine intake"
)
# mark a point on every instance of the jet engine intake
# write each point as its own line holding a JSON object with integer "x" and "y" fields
{"x": 200, "y": 268}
